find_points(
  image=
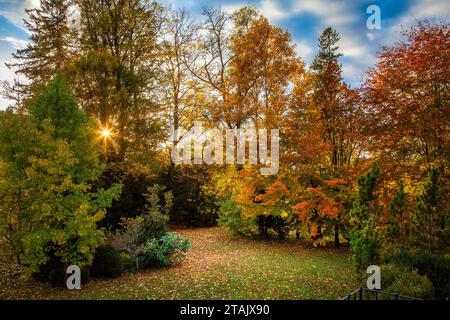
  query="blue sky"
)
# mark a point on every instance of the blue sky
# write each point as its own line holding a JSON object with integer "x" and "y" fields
{"x": 305, "y": 19}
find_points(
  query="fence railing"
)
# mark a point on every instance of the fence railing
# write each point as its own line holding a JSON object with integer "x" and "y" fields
{"x": 372, "y": 294}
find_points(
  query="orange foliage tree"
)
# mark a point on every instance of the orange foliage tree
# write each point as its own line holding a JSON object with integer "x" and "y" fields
{"x": 322, "y": 208}
{"x": 322, "y": 133}
{"x": 407, "y": 101}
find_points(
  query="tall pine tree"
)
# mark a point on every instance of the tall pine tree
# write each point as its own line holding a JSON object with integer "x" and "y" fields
{"x": 335, "y": 104}
{"x": 47, "y": 52}
{"x": 364, "y": 216}
{"x": 398, "y": 222}
{"x": 431, "y": 220}
{"x": 328, "y": 50}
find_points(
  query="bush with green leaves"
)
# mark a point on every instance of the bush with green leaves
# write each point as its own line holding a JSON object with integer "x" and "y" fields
{"x": 107, "y": 263}
{"x": 154, "y": 225}
{"x": 230, "y": 218}
{"x": 128, "y": 240}
{"x": 128, "y": 263}
{"x": 151, "y": 224}
{"x": 53, "y": 262}
{"x": 49, "y": 170}
{"x": 405, "y": 281}
{"x": 165, "y": 251}
{"x": 155, "y": 217}
{"x": 146, "y": 240}
{"x": 436, "y": 268}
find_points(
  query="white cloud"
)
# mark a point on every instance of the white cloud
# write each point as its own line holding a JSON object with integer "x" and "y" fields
{"x": 16, "y": 13}
{"x": 352, "y": 73}
{"x": 5, "y": 74}
{"x": 330, "y": 12}
{"x": 272, "y": 10}
{"x": 304, "y": 50}
{"x": 358, "y": 55}
{"x": 231, "y": 8}
{"x": 433, "y": 10}
{"x": 339, "y": 14}
{"x": 351, "y": 46}
{"x": 16, "y": 43}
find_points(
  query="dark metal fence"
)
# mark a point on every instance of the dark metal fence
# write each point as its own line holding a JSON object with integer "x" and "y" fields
{"x": 370, "y": 294}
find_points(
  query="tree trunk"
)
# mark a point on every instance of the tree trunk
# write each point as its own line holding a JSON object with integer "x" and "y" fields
{"x": 337, "y": 244}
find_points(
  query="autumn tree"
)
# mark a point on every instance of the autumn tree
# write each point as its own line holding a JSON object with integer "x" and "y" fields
{"x": 253, "y": 204}
{"x": 181, "y": 94}
{"x": 322, "y": 135}
{"x": 407, "y": 101}
{"x": 304, "y": 150}
{"x": 263, "y": 65}
{"x": 116, "y": 75}
{"x": 50, "y": 203}
{"x": 258, "y": 76}
{"x": 274, "y": 210}
{"x": 50, "y": 48}
{"x": 336, "y": 104}
{"x": 322, "y": 208}
{"x": 209, "y": 63}
{"x": 315, "y": 210}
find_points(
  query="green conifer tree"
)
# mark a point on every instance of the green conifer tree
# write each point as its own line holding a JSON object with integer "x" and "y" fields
{"x": 397, "y": 231}
{"x": 431, "y": 219}
{"x": 48, "y": 51}
{"x": 328, "y": 50}
{"x": 364, "y": 216}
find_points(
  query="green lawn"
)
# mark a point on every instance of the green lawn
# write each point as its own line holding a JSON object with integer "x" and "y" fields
{"x": 218, "y": 266}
